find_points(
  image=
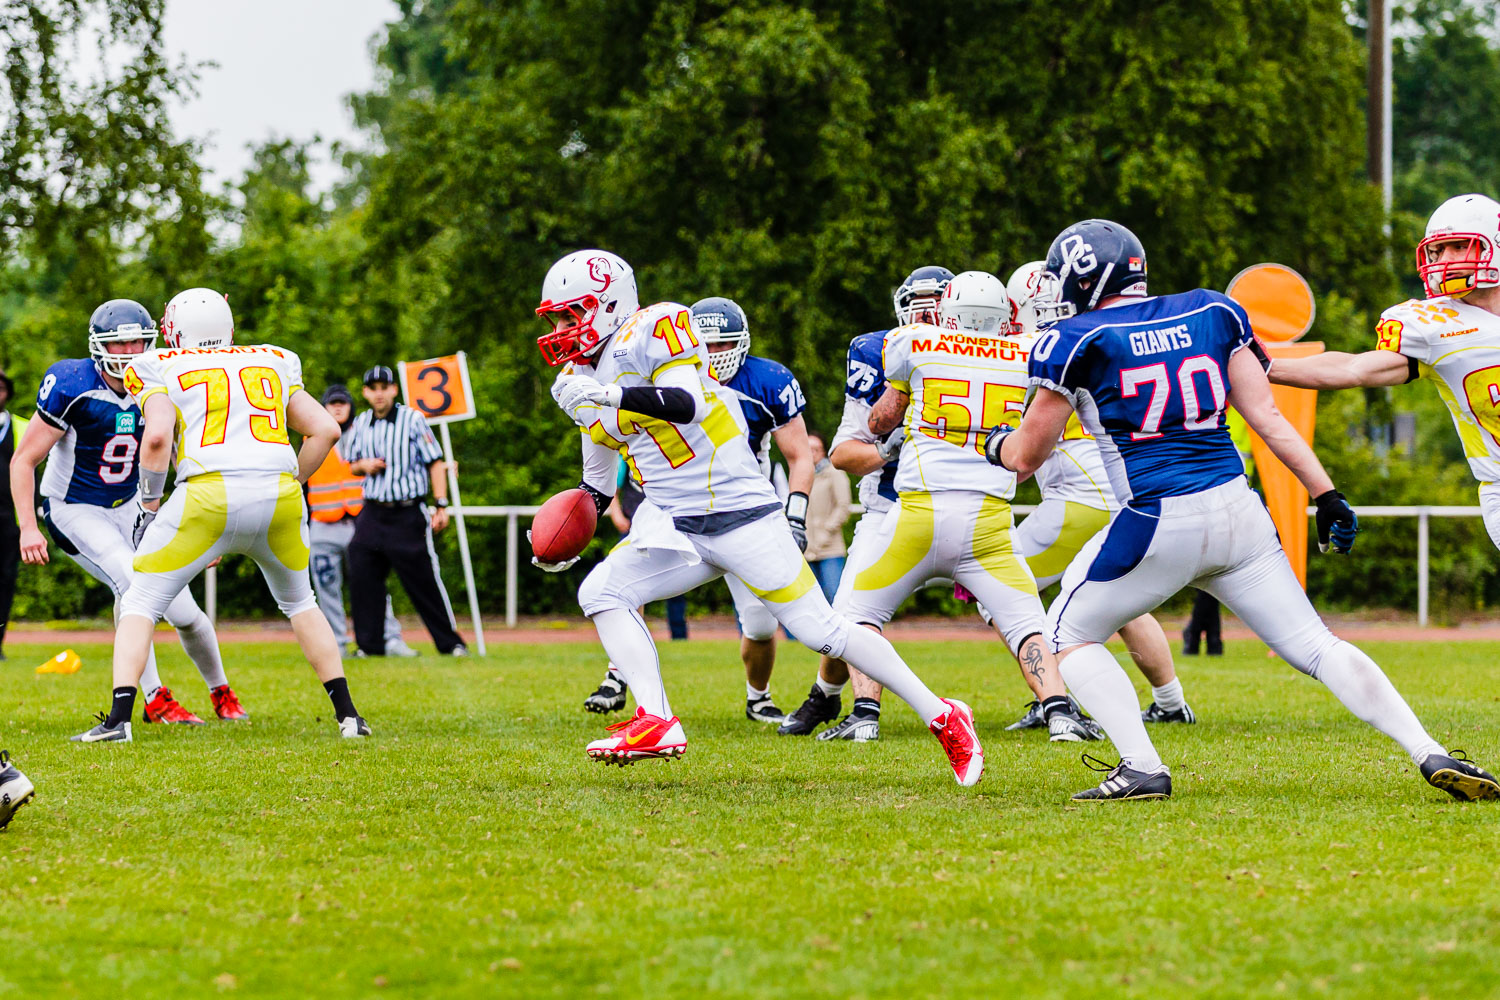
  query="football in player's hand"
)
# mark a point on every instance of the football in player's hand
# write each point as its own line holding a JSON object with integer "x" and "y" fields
{"x": 563, "y": 526}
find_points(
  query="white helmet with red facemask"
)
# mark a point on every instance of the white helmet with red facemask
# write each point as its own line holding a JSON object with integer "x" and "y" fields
{"x": 1470, "y": 219}
{"x": 1022, "y": 288}
{"x": 586, "y": 297}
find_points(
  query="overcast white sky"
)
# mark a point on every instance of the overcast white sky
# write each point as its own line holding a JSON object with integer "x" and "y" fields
{"x": 284, "y": 69}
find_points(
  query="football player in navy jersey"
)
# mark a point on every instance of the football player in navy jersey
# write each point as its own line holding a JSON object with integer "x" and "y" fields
{"x": 772, "y": 402}
{"x": 1150, "y": 377}
{"x": 88, "y": 429}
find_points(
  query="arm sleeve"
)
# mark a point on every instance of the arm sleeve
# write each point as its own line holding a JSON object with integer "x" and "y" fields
{"x": 424, "y": 440}
{"x": 676, "y": 395}
{"x": 598, "y": 467}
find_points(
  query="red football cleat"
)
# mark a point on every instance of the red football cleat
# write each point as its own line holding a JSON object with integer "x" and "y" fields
{"x": 955, "y": 731}
{"x": 164, "y": 708}
{"x": 640, "y": 737}
{"x": 227, "y": 703}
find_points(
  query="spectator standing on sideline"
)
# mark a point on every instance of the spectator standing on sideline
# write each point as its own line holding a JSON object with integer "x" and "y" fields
{"x": 827, "y": 510}
{"x": 393, "y": 448}
{"x": 335, "y": 496}
{"x": 11, "y": 429}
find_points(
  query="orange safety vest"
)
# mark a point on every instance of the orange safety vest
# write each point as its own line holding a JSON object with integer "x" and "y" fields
{"x": 334, "y": 491}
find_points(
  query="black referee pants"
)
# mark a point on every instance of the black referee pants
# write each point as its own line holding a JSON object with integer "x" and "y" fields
{"x": 399, "y": 538}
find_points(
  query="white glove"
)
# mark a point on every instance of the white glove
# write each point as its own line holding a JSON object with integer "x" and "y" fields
{"x": 143, "y": 519}
{"x": 547, "y": 567}
{"x": 573, "y": 391}
{"x": 890, "y": 447}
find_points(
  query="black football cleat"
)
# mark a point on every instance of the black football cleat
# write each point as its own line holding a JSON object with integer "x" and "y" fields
{"x": 763, "y": 709}
{"x": 610, "y": 696}
{"x": 104, "y": 732}
{"x": 854, "y": 728}
{"x": 1072, "y": 727}
{"x": 1461, "y": 778}
{"x": 1123, "y": 783}
{"x": 812, "y": 713}
{"x": 1158, "y": 714}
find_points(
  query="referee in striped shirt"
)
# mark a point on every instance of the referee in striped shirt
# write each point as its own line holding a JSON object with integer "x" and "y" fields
{"x": 393, "y": 448}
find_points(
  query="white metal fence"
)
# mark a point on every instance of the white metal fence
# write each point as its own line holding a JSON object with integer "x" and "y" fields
{"x": 513, "y": 516}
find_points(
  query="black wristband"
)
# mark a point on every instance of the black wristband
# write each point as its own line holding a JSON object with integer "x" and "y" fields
{"x": 796, "y": 508}
{"x": 601, "y": 500}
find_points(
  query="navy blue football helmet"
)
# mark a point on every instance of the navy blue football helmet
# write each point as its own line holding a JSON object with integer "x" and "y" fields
{"x": 917, "y": 298}
{"x": 720, "y": 321}
{"x": 115, "y": 322}
{"x": 1088, "y": 262}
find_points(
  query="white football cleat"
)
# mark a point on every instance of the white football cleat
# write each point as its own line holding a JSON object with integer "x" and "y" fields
{"x": 640, "y": 737}
{"x": 104, "y": 732}
{"x": 15, "y": 789}
{"x": 353, "y": 727}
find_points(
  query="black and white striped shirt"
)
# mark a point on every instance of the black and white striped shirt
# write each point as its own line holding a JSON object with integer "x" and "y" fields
{"x": 408, "y": 446}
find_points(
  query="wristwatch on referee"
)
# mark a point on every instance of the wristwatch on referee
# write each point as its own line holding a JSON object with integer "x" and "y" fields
{"x": 440, "y": 502}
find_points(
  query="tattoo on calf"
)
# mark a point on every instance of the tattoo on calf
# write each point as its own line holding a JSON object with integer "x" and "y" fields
{"x": 1031, "y": 659}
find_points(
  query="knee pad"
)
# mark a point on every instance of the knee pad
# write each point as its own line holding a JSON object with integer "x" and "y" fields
{"x": 290, "y": 608}
{"x": 816, "y": 625}
{"x": 756, "y": 622}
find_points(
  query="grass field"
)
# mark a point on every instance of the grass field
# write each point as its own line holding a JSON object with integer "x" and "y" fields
{"x": 471, "y": 849}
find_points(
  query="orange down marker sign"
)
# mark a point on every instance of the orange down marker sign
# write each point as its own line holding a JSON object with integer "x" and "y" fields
{"x": 439, "y": 387}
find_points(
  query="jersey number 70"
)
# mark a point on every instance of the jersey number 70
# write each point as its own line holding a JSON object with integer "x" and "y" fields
{"x": 1154, "y": 380}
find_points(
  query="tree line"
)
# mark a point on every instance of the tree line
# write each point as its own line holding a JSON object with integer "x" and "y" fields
{"x": 797, "y": 157}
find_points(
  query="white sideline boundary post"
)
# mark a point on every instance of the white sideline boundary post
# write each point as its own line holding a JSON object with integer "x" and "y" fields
{"x": 463, "y": 536}
{"x": 514, "y": 513}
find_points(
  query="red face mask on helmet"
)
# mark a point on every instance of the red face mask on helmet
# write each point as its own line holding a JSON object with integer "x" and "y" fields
{"x": 586, "y": 297}
{"x": 1473, "y": 221}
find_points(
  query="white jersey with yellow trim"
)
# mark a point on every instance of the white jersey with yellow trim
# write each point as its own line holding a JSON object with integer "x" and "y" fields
{"x": 685, "y": 469}
{"x": 231, "y": 405}
{"x": 1457, "y": 347}
{"x": 961, "y": 384}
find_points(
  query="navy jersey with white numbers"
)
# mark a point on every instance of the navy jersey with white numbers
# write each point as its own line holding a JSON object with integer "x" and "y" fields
{"x": 1150, "y": 381}
{"x": 770, "y": 397}
{"x": 865, "y": 383}
{"x": 94, "y": 461}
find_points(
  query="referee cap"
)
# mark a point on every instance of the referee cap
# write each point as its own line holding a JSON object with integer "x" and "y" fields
{"x": 337, "y": 393}
{"x": 379, "y": 373}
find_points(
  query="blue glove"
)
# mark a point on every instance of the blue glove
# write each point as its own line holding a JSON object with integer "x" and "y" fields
{"x": 992, "y": 442}
{"x": 1337, "y": 524}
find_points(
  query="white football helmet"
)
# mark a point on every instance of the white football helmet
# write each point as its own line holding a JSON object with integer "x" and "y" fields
{"x": 198, "y": 317}
{"x": 1470, "y": 218}
{"x": 1022, "y": 288}
{"x": 976, "y": 302}
{"x": 586, "y": 297}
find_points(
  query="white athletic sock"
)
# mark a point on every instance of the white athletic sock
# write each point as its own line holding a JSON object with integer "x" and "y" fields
{"x": 150, "y": 679}
{"x": 201, "y": 643}
{"x": 1101, "y": 687}
{"x": 754, "y": 694}
{"x": 871, "y": 654}
{"x": 1358, "y": 682}
{"x": 627, "y": 641}
{"x": 1168, "y": 697}
{"x": 829, "y": 689}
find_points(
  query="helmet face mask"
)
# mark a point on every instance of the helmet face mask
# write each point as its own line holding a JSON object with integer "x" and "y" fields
{"x": 586, "y": 297}
{"x": 916, "y": 300}
{"x": 724, "y": 330}
{"x": 1471, "y": 221}
{"x": 120, "y": 322}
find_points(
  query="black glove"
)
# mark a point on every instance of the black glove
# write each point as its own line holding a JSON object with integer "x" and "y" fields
{"x": 992, "y": 442}
{"x": 1337, "y": 524}
{"x": 796, "y": 516}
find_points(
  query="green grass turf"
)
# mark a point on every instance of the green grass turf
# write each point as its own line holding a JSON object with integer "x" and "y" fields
{"x": 471, "y": 849}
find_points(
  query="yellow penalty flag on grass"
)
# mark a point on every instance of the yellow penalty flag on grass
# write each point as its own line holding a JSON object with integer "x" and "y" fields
{"x": 66, "y": 662}
{"x": 1281, "y": 309}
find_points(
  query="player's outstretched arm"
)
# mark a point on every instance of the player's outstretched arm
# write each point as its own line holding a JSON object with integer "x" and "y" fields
{"x": 38, "y": 440}
{"x": 1024, "y": 449}
{"x": 1250, "y": 393}
{"x": 320, "y": 432}
{"x": 1338, "y": 370}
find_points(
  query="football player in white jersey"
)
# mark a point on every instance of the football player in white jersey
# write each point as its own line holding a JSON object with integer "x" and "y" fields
{"x": 637, "y": 381}
{"x": 226, "y": 411}
{"x": 1077, "y": 503}
{"x": 1452, "y": 338}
